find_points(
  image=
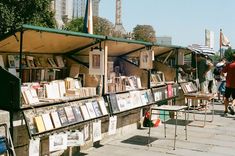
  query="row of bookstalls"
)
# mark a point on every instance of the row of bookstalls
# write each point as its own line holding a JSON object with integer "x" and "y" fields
{"x": 55, "y": 81}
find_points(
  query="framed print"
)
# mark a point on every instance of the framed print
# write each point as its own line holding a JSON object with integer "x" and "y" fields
{"x": 146, "y": 59}
{"x": 96, "y": 62}
{"x": 75, "y": 138}
{"x": 96, "y": 131}
{"x": 55, "y": 119}
{"x": 57, "y": 142}
{"x": 34, "y": 147}
{"x": 112, "y": 125}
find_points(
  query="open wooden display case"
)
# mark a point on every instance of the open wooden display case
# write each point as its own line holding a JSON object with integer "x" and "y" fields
{"x": 120, "y": 58}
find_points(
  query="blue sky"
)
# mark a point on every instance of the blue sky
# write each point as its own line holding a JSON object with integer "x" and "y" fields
{"x": 184, "y": 20}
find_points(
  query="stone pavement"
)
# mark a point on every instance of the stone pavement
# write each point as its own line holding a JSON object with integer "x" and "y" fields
{"x": 217, "y": 138}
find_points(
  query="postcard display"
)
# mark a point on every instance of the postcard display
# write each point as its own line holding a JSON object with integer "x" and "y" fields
{"x": 52, "y": 106}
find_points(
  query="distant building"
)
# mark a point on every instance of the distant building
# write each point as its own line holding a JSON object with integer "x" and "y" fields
{"x": 66, "y": 10}
{"x": 165, "y": 40}
{"x": 79, "y": 8}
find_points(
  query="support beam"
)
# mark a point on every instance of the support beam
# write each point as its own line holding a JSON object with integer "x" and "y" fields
{"x": 75, "y": 51}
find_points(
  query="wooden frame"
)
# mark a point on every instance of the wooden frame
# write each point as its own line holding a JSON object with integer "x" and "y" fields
{"x": 146, "y": 59}
{"x": 96, "y": 62}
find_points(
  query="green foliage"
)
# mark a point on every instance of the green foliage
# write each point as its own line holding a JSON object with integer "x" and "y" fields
{"x": 14, "y": 13}
{"x": 228, "y": 54}
{"x": 144, "y": 33}
{"x": 75, "y": 25}
{"x": 101, "y": 26}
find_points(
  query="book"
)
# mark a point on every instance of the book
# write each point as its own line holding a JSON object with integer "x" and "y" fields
{"x": 58, "y": 142}
{"x": 122, "y": 105}
{"x": 69, "y": 113}
{"x": 85, "y": 113}
{"x": 150, "y": 96}
{"x": 59, "y": 61}
{"x": 30, "y": 61}
{"x": 146, "y": 60}
{"x": 112, "y": 125}
{"x": 62, "y": 89}
{"x": 96, "y": 108}
{"x": 75, "y": 138}
{"x": 30, "y": 96}
{"x": 34, "y": 147}
{"x": 43, "y": 62}
{"x": 63, "y": 118}
{"x": 37, "y": 62}
{"x": 90, "y": 109}
{"x": 96, "y": 131}
{"x": 77, "y": 113}
{"x": 169, "y": 90}
{"x": 103, "y": 107}
{"x": 52, "y": 62}
{"x": 11, "y": 61}
{"x": 113, "y": 102}
{"x": 2, "y": 62}
{"x": 39, "y": 124}
{"x": 144, "y": 97}
{"x": 55, "y": 119}
{"x": 47, "y": 121}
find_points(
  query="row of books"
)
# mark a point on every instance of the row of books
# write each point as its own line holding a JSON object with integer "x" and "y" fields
{"x": 125, "y": 101}
{"x": 33, "y": 93}
{"x": 157, "y": 79}
{"x": 165, "y": 92}
{"x": 74, "y": 112}
{"x": 35, "y": 61}
{"x": 123, "y": 83}
{"x": 188, "y": 87}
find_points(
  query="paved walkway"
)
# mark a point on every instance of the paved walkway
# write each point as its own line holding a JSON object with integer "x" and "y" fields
{"x": 216, "y": 138}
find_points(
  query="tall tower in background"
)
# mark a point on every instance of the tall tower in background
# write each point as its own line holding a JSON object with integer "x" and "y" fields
{"x": 118, "y": 23}
{"x": 79, "y": 7}
{"x": 63, "y": 10}
{"x": 66, "y": 10}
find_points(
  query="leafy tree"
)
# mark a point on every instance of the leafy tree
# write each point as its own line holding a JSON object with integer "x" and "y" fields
{"x": 144, "y": 33}
{"x": 101, "y": 26}
{"x": 14, "y": 13}
{"x": 228, "y": 54}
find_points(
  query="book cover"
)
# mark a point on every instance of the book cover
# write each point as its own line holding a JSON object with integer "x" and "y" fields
{"x": 47, "y": 121}
{"x": 69, "y": 113}
{"x": 58, "y": 142}
{"x": 169, "y": 90}
{"x": 43, "y": 62}
{"x": 39, "y": 124}
{"x": 146, "y": 60}
{"x": 37, "y": 62}
{"x": 30, "y": 61}
{"x": 113, "y": 102}
{"x": 11, "y": 61}
{"x": 103, "y": 107}
{"x": 77, "y": 113}
{"x": 75, "y": 138}
{"x": 96, "y": 131}
{"x": 96, "y": 108}
{"x": 59, "y": 61}
{"x": 150, "y": 95}
{"x": 85, "y": 113}
{"x": 55, "y": 119}
{"x": 121, "y": 102}
{"x": 2, "y": 62}
{"x": 52, "y": 62}
{"x": 112, "y": 125}
{"x": 34, "y": 147}
{"x": 63, "y": 118}
{"x": 90, "y": 109}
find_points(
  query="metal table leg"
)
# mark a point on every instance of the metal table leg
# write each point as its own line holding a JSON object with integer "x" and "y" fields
{"x": 175, "y": 128}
